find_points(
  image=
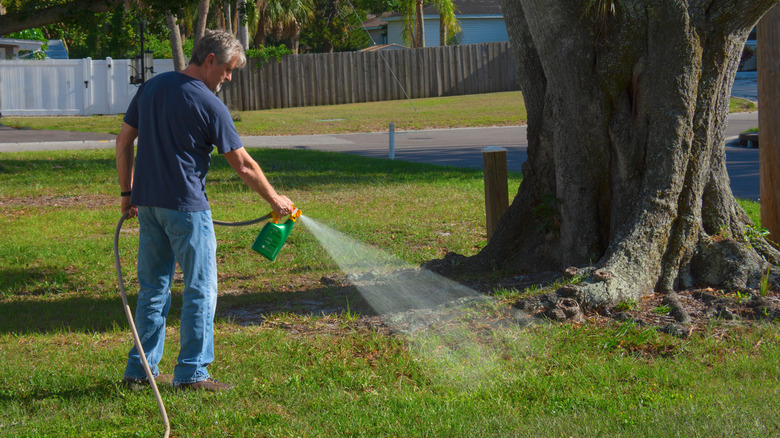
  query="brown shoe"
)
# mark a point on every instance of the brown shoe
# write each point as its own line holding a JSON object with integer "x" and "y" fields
{"x": 136, "y": 384}
{"x": 205, "y": 385}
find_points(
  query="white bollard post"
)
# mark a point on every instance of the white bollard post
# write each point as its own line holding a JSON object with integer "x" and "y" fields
{"x": 392, "y": 141}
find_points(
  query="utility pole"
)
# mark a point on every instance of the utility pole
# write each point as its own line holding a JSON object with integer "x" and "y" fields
{"x": 768, "y": 57}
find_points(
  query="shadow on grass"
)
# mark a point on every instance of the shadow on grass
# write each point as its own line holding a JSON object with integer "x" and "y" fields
{"x": 297, "y": 169}
{"x": 254, "y": 308}
{"x": 303, "y": 168}
{"x": 101, "y": 389}
{"x": 57, "y": 168}
{"x": 33, "y": 281}
{"x": 93, "y": 313}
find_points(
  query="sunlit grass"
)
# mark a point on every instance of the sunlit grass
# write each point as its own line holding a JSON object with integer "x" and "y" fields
{"x": 493, "y": 109}
{"x": 476, "y": 110}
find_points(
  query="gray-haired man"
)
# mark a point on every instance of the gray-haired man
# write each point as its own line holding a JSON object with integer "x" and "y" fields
{"x": 178, "y": 121}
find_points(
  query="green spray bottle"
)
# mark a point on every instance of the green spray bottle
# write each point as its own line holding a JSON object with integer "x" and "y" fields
{"x": 273, "y": 235}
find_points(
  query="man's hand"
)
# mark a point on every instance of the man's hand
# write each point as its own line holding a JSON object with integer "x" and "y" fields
{"x": 282, "y": 206}
{"x": 132, "y": 210}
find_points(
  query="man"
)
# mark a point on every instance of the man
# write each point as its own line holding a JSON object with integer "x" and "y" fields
{"x": 178, "y": 120}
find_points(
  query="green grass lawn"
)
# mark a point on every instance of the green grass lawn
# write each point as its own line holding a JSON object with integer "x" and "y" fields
{"x": 738, "y": 105}
{"x": 64, "y": 338}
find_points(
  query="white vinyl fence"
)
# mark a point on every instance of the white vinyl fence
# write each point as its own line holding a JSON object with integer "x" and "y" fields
{"x": 68, "y": 86}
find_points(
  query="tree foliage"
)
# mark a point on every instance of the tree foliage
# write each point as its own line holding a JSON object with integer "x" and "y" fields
{"x": 336, "y": 26}
{"x": 111, "y": 28}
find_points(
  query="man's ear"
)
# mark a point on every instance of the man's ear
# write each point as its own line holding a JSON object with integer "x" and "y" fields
{"x": 211, "y": 58}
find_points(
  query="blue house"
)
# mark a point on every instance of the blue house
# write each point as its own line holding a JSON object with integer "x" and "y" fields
{"x": 481, "y": 21}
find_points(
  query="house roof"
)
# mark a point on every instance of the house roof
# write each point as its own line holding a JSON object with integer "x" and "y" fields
{"x": 56, "y": 50}
{"x": 472, "y": 7}
{"x": 462, "y": 8}
{"x": 376, "y": 21}
{"x": 21, "y": 44}
{"x": 380, "y": 47}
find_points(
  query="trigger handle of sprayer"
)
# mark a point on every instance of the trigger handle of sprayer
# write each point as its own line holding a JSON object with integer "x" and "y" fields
{"x": 293, "y": 216}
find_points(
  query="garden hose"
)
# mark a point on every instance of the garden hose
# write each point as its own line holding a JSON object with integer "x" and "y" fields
{"x": 129, "y": 314}
{"x": 136, "y": 339}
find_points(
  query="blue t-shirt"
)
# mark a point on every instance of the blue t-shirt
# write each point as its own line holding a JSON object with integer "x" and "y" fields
{"x": 179, "y": 122}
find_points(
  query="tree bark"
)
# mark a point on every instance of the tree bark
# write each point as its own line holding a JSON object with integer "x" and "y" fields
{"x": 175, "y": 36}
{"x": 203, "y": 14}
{"x": 243, "y": 29}
{"x": 768, "y": 44}
{"x": 626, "y": 176}
{"x": 442, "y": 31}
{"x": 419, "y": 25}
{"x": 228, "y": 17}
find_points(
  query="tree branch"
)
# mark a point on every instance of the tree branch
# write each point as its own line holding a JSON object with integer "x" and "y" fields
{"x": 748, "y": 12}
{"x": 15, "y": 22}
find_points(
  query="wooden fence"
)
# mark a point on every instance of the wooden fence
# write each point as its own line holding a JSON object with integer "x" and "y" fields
{"x": 351, "y": 77}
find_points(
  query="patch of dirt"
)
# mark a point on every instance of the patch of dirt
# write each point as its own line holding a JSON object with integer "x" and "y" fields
{"x": 697, "y": 307}
{"x": 678, "y": 313}
{"x": 88, "y": 201}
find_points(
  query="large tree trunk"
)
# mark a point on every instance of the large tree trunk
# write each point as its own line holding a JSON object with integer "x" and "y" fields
{"x": 626, "y": 173}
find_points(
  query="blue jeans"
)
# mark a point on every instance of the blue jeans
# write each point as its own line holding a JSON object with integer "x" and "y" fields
{"x": 166, "y": 237}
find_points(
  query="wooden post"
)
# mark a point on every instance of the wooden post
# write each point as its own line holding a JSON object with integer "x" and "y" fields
{"x": 768, "y": 48}
{"x": 496, "y": 186}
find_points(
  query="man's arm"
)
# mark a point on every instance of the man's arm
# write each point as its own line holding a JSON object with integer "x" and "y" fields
{"x": 125, "y": 155}
{"x": 251, "y": 173}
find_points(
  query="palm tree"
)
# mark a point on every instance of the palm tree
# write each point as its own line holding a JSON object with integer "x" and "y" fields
{"x": 281, "y": 19}
{"x": 203, "y": 13}
{"x": 449, "y": 26}
{"x": 414, "y": 29}
{"x": 175, "y": 36}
